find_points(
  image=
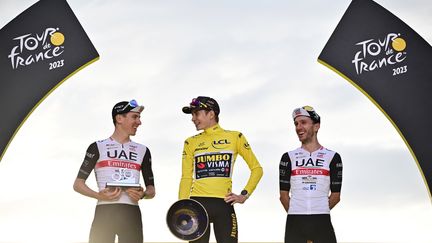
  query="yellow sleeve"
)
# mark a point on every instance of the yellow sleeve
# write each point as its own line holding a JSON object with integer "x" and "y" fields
{"x": 256, "y": 170}
{"x": 187, "y": 172}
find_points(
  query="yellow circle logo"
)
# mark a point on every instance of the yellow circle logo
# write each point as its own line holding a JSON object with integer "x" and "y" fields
{"x": 399, "y": 44}
{"x": 57, "y": 39}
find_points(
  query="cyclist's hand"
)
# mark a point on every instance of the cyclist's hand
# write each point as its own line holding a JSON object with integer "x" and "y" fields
{"x": 110, "y": 194}
{"x": 135, "y": 193}
{"x": 234, "y": 198}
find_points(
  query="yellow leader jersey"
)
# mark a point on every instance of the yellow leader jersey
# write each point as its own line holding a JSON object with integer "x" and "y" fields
{"x": 208, "y": 162}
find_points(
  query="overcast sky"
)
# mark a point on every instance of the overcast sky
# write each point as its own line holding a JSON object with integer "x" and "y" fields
{"x": 258, "y": 59}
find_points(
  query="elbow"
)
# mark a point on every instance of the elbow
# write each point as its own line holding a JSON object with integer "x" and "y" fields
{"x": 76, "y": 185}
{"x": 150, "y": 192}
{"x": 258, "y": 171}
{"x": 150, "y": 195}
{"x": 281, "y": 199}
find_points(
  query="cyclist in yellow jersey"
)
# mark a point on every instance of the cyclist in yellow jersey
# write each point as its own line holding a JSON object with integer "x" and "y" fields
{"x": 207, "y": 168}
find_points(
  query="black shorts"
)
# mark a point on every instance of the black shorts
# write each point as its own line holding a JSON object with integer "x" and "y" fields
{"x": 223, "y": 217}
{"x": 316, "y": 227}
{"x": 123, "y": 220}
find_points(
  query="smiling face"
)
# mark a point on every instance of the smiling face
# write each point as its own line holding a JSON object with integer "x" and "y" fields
{"x": 306, "y": 130}
{"x": 129, "y": 122}
{"x": 203, "y": 119}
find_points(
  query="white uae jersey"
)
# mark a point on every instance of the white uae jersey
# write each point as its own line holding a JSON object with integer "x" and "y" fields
{"x": 310, "y": 177}
{"x": 116, "y": 162}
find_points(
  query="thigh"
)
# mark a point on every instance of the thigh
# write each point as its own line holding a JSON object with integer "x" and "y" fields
{"x": 294, "y": 232}
{"x": 223, "y": 218}
{"x": 205, "y": 238}
{"x": 225, "y": 223}
{"x": 206, "y": 203}
{"x": 129, "y": 229}
{"x": 102, "y": 229}
{"x": 323, "y": 230}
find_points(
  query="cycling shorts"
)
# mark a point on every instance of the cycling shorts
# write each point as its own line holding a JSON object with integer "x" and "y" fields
{"x": 316, "y": 227}
{"x": 123, "y": 220}
{"x": 223, "y": 217}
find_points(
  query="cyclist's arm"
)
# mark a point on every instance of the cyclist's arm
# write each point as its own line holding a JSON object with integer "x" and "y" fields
{"x": 334, "y": 199}
{"x": 147, "y": 173}
{"x": 90, "y": 159}
{"x": 187, "y": 171}
{"x": 256, "y": 170}
{"x": 335, "y": 180}
{"x": 284, "y": 199}
{"x": 284, "y": 180}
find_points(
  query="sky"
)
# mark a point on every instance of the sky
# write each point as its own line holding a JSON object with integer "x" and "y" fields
{"x": 258, "y": 59}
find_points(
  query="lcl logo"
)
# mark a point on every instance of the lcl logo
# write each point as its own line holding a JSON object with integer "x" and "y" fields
{"x": 222, "y": 143}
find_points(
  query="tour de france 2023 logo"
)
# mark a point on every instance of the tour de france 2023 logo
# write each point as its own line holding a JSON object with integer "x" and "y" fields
{"x": 375, "y": 54}
{"x": 37, "y": 47}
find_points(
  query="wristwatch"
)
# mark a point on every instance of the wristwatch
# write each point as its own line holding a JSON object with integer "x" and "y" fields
{"x": 245, "y": 193}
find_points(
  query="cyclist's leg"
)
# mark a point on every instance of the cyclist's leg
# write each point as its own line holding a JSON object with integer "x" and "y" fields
{"x": 130, "y": 228}
{"x": 102, "y": 230}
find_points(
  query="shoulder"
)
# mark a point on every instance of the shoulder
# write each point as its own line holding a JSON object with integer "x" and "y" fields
{"x": 285, "y": 157}
{"x": 331, "y": 152}
{"x": 137, "y": 146}
{"x": 233, "y": 133}
{"x": 295, "y": 151}
{"x": 195, "y": 137}
{"x": 106, "y": 141}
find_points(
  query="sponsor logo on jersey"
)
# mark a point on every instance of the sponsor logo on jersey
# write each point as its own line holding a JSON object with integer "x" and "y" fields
{"x": 199, "y": 149}
{"x": 310, "y": 187}
{"x": 90, "y": 155}
{"x": 246, "y": 145}
{"x": 310, "y": 163}
{"x": 123, "y": 175}
{"x": 310, "y": 171}
{"x": 283, "y": 163}
{"x": 86, "y": 162}
{"x": 133, "y": 147}
{"x": 122, "y": 155}
{"x": 234, "y": 225}
{"x": 118, "y": 164}
{"x": 213, "y": 165}
{"x": 309, "y": 179}
{"x": 221, "y": 144}
{"x": 310, "y": 167}
{"x": 201, "y": 144}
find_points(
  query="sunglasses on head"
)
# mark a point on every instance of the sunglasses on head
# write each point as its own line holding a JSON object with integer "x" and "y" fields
{"x": 196, "y": 103}
{"x": 132, "y": 103}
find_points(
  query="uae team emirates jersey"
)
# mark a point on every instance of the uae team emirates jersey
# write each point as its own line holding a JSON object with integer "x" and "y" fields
{"x": 208, "y": 163}
{"x": 116, "y": 162}
{"x": 310, "y": 177}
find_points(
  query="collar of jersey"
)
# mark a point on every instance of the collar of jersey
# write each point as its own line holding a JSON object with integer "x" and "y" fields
{"x": 214, "y": 129}
{"x": 319, "y": 149}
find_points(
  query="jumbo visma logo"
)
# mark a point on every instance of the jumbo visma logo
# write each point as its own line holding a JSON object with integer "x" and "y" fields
{"x": 374, "y": 54}
{"x": 213, "y": 165}
{"x": 36, "y": 47}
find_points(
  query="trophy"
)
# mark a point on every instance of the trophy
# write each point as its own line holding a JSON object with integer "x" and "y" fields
{"x": 123, "y": 178}
{"x": 187, "y": 219}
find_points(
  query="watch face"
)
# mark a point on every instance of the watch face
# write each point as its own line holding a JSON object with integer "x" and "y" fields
{"x": 244, "y": 192}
